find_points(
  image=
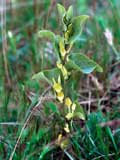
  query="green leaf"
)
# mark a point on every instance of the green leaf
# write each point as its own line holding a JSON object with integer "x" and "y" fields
{"x": 41, "y": 133}
{"x": 53, "y": 107}
{"x": 46, "y": 34}
{"x": 52, "y": 37}
{"x": 61, "y": 10}
{"x": 65, "y": 144}
{"x": 112, "y": 138}
{"x": 82, "y": 63}
{"x": 70, "y": 12}
{"x": 77, "y": 26}
{"x": 79, "y": 112}
{"x": 47, "y": 75}
{"x": 45, "y": 150}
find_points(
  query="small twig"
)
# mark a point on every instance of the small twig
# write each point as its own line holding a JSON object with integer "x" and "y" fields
{"x": 115, "y": 64}
{"x": 53, "y": 2}
{"x": 94, "y": 5}
{"x": 36, "y": 12}
{"x": 103, "y": 97}
{"x": 87, "y": 90}
{"x": 27, "y": 120}
{"x": 96, "y": 82}
{"x": 94, "y": 100}
{"x": 104, "y": 156}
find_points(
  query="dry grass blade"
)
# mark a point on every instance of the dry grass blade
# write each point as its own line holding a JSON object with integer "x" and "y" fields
{"x": 4, "y": 40}
{"x": 27, "y": 120}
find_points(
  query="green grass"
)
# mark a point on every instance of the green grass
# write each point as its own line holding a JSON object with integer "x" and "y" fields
{"x": 27, "y": 55}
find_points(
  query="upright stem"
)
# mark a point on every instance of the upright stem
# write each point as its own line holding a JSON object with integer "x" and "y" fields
{"x": 4, "y": 41}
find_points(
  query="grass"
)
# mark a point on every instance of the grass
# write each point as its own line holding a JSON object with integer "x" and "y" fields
{"x": 25, "y": 55}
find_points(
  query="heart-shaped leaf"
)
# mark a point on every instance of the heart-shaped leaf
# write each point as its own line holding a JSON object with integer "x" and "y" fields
{"x": 61, "y": 10}
{"x": 46, "y": 34}
{"x": 70, "y": 12}
{"x": 53, "y": 38}
{"x": 82, "y": 63}
{"x": 77, "y": 26}
{"x": 48, "y": 75}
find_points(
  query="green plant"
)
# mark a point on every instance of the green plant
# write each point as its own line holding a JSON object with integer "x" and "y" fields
{"x": 67, "y": 66}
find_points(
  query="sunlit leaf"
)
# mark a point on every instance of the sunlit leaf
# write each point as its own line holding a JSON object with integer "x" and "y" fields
{"x": 70, "y": 12}
{"x": 55, "y": 39}
{"x": 65, "y": 143}
{"x": 47, "y": 75}
{"x": 46, "y": 34}
{"x": 61, "y": 10}
{"x": 79, "y": 112}
{"x": 82, "y": 63}
{"x": 77, "y": 26}
{"x": 62, "y": 47}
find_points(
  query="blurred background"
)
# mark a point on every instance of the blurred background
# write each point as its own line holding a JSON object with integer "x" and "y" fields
{"x": 22, "y": 54}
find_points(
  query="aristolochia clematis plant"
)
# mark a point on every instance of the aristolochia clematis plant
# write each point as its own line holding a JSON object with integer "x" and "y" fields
{"x": 66, "y": 65}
